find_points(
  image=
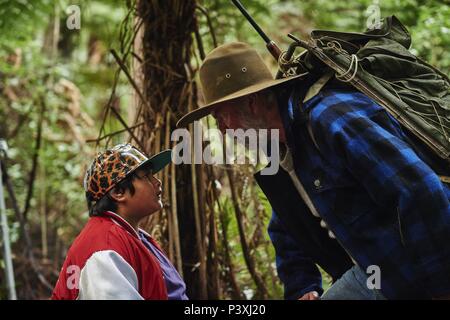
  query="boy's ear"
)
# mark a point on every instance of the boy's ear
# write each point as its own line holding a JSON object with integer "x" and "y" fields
{"x": 117, "y": 195}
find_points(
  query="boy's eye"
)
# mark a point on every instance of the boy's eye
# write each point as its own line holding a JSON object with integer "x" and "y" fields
{"x": 147, "y": 175}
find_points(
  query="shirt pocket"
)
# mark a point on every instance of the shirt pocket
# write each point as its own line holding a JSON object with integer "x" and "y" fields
{"x": 344, "y": 197}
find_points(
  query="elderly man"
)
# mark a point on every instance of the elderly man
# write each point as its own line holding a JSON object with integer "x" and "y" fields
{"x": 353, "y": 196}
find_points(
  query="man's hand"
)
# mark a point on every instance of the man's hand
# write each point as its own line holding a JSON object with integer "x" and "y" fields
{"x": 313, "y": 295}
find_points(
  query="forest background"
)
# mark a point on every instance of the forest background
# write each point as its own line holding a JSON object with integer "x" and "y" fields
{"x": 128, "y": 72}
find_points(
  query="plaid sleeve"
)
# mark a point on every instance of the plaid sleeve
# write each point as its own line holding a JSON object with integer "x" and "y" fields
{"x": 296, "y": 270}
{"x": 371, "y": 145}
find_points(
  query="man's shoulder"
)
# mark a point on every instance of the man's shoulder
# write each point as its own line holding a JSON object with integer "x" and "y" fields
{"x": 332, "y": 104}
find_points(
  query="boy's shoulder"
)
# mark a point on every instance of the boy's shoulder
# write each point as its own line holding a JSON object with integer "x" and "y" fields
{"x": 100, "y": 234}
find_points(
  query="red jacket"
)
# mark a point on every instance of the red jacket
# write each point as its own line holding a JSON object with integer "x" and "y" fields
{"x": 108, "y": 261}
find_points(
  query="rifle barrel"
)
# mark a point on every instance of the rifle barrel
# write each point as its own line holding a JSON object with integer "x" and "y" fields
{"x": 270, "y": 45}
{"x": 247, "y": 15}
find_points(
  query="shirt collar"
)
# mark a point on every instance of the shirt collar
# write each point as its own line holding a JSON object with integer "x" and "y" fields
{"x": 121, "y": 222}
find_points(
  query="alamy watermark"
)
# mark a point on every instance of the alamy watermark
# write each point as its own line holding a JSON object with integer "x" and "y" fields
{"x": 73, "y": 280}
{"x": 373, "y": 14}
{"x": 73, "y": 21}
{"x": 373, "y": 281}
{"x": 238, "y": 146}
{"x": 374, "y": 278}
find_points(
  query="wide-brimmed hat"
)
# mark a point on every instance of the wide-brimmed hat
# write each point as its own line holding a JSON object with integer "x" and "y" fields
{"x": 228, "y": 72}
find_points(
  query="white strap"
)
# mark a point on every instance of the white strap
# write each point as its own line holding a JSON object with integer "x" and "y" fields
{"x": 287, "y": 164}
{"x": 317, "y": 86}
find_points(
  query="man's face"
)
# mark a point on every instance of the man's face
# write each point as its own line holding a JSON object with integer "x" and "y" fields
{"x": 232, "y": 114}
{"x": 147, "y": 198}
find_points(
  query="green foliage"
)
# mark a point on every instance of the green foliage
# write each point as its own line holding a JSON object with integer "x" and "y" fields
{"x": 431, "y": 35}
{"x": 257, "y": 215}
{"x": 19, "y": 19}
{"x": 74, "y": 85}
{"x": 427, "y": 20}
{"x": 37, "y": 84}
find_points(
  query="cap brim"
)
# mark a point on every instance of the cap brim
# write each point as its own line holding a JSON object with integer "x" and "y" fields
{"x": 206, "y": 109}
{"x": 158, "y": 161}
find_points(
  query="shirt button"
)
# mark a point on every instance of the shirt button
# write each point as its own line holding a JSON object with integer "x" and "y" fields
{"x": 323, "y": 224}
{"x": 317, "y": 183}
{"x": 331, "y": 235}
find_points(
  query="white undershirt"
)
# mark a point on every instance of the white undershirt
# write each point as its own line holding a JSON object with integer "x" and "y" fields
{"x": 288, "y": 165}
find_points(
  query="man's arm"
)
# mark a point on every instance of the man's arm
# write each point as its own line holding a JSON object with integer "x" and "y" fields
{"x": 296, "y": 270}
{"x": 371, "y": 146}
{"x": 108, "y": 276}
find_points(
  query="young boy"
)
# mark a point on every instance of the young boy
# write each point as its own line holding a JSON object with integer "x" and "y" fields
{"x": 112, "y": 258}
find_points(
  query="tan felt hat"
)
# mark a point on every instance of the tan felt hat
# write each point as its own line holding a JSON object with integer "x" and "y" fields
{"x": 228, "y": 72}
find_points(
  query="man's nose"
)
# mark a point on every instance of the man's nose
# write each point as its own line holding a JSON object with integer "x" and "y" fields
{"x": 224, "y": 122}
{"x": 222, "y": 126}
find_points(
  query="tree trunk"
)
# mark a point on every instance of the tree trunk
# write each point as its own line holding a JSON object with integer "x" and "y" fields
{"x": 169, "y": 89}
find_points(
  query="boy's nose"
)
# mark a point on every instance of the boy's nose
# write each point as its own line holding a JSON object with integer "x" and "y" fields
{"x": 156, "y": 182}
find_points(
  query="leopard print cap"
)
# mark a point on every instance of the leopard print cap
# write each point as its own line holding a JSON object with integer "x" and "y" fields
{"x": 109, "y": 168}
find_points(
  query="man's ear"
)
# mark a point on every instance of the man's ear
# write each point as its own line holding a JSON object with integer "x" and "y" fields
{"x": 117, "y": 195}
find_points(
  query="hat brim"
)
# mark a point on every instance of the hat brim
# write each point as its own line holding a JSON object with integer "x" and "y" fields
{"x": 208, "y": 108}
{"x": 158, "y": 161}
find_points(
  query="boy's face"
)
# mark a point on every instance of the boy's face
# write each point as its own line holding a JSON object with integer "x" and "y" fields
{"x": 147, "y": 198}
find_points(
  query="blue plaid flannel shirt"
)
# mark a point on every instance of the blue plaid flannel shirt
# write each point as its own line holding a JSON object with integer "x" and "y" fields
{"x": 384, "y": 204}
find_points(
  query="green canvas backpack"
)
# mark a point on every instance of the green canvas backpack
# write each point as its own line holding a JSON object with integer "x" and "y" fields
{"x": 379, "y": 64}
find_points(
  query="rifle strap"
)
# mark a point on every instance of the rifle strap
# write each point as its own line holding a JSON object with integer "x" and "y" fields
{"x": 311, "y": 93}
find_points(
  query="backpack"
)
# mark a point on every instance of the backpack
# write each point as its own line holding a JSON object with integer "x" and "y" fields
{"x": 378, "y": 64}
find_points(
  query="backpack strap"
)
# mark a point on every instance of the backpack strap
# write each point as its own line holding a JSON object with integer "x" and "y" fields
{"x": 312, "y": 91}
{"x": 317, "y": 86}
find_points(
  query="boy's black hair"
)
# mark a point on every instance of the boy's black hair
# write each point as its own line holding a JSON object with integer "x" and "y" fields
{"x": 107, "y": 203}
